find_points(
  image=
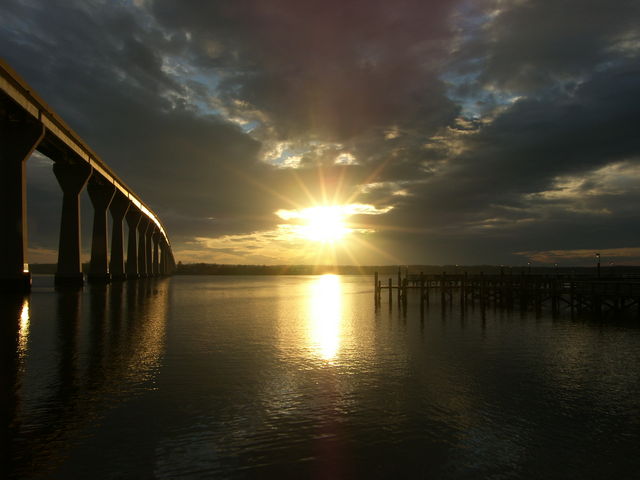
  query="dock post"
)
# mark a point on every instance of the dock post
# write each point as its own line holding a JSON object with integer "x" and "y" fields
{"x": 422, "y": 292}
{"x": 375, "y": 289}
{"x": 596, "y": 300}
{"x": 453, "y": 284}
{"x": 405, "y": 289}
{"x": 463, "y": 290}
{"x": 390, "y": 295}
{"x": 427, "y": 291}
{"x": 579, "y": 301}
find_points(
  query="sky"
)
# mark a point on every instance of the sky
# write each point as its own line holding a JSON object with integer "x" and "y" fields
{"x": 438, "y": 131}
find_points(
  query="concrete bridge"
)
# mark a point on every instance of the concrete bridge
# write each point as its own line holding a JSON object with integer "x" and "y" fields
{"x": 27, "y": 123}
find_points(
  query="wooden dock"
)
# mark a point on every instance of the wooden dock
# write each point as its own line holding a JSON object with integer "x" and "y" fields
{"x": 525, "y": 291}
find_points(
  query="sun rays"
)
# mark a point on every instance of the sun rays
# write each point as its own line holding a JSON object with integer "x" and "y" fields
{"x": 332, "y": 225}
{"x": 323, "y": 223}
{"x": 324, "y": 220}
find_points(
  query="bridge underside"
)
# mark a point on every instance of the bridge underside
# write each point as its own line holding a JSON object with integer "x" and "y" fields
{"x": 28, "y": 124}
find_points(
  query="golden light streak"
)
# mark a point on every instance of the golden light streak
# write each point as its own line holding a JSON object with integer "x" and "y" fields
{"x": 23, "y": 331}
{"x": 325, "y": 316}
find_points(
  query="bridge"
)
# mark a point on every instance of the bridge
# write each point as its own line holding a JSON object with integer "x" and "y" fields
{"x": 27, "y": 123}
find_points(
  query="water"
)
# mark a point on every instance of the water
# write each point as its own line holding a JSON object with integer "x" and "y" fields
{"x": 298, "y": 377}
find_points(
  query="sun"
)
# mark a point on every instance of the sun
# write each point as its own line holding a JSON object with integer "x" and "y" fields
{"x": 324, "y": 223}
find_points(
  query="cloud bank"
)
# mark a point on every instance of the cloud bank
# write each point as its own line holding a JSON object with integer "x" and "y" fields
{"x": 485, "y": 130}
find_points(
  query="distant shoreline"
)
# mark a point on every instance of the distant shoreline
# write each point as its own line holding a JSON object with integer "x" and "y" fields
{"x": 384, "y": 270}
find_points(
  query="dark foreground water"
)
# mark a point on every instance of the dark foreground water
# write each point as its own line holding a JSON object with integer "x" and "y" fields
{"x": 298, "y": 377}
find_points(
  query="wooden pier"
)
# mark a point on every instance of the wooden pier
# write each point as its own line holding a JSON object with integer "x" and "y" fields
{"x": 525, "y": 291}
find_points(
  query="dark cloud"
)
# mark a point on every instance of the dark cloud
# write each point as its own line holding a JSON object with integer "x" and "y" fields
{"x": 537, "y": 140}
{"x": 534, "y": 44}
{"x": 326, "y": 69}
{"x": 463, "y": 116}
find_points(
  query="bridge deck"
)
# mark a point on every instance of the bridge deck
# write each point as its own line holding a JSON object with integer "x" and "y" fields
{"x": 60, "y": 140}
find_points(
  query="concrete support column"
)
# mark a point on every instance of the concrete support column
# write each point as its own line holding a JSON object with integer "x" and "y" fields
{"x": 149, "y": 247}
{"x": 172, "y": 261}
{"x": 163, "y": 257}
{"x": 72, "y": 179}
{"x": 133, "y": 217}
{"x": 142, "y": 245}
{"x": 118, "y": 209}
{"x": 19, "y": 139}
{"x": 156, "y": 253}
{"x": 101, "y": 193}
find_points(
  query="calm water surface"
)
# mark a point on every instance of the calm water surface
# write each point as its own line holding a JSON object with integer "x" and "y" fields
{"x": 299, "y": 377}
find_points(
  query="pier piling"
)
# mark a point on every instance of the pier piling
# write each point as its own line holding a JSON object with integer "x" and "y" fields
{"x": 528, "y": 291}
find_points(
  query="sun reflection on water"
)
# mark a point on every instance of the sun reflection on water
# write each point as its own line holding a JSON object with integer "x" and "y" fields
{"x": 325, "y": 316}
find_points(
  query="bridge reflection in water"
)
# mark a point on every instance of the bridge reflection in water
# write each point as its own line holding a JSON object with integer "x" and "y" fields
{"x": 99, "y": 346}
{"x": 27, "y": 124}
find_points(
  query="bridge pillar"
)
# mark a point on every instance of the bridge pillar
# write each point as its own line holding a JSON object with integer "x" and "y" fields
{"x": 72, "y": 179}
{"x": 133, "y": 217}
{"x": 156, "y": 253}
{"x": 118, "y": 209}
{"x": 101, "y": 193}
{"x": 172, "y": 261}
{"x": 142, "y": 245}
{"x": 149, "y": 247}
{"x": 163, "y": 257}
{"x": 19, "y": 139}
